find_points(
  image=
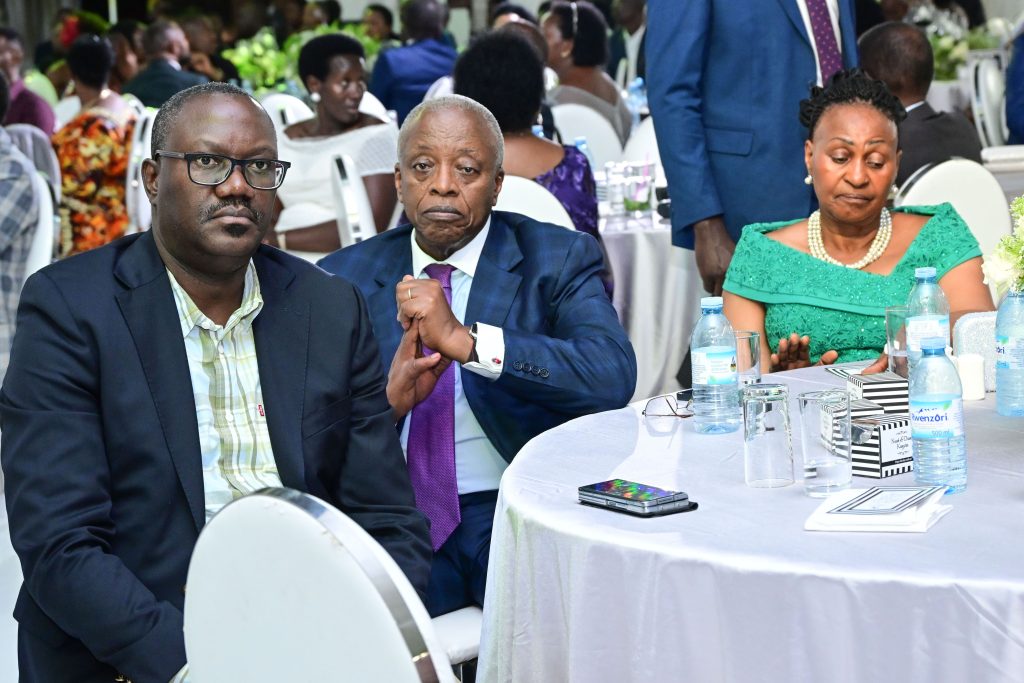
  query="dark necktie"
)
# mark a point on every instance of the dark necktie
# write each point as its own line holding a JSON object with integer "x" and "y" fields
{"x": 431, "y": 446}
{"x": 824, "y": 39}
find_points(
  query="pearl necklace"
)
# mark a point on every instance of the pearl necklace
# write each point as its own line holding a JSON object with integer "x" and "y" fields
{"x": 875, "y": 251}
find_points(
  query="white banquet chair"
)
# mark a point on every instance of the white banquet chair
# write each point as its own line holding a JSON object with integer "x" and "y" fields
{"x": 66, "y": 109}
{"x": 37, "y": 146}
{"x": 140, "y": 212}
{"x": 642, "y": 144}
{"x": 988, "y": 97}
{"x": 575, "y": 120}
{"x": 328, "y": 603}
{"x": 529, "y": 198}
{"x": 352, "y": 204}
{"x": 373, "y": 106}
{"x": 285, "y": 109}
{"x": 10, "y": 585}
{"x": 44, "y": 239}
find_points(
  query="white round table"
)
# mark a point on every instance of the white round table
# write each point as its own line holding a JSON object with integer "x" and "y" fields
{"x": 737, "y": 590}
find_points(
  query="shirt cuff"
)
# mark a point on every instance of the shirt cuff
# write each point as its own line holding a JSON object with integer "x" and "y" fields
{"x": 490, "y": 351}
{"x": 181, "y": 676}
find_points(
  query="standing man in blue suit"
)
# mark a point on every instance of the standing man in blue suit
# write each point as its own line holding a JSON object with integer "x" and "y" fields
{"x": 725, "y": 80}
{"x": 156, "y": 379}
{"x": 513, "y": 324}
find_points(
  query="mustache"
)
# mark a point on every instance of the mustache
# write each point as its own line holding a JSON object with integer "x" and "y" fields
{"x": 255, "y": 215}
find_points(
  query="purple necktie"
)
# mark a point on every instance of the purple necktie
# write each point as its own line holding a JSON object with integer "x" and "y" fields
{"x": 431, "y": 447}
{"x": 824, "y": 39}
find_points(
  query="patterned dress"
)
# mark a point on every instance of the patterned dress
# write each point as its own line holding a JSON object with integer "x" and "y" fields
{"x": 93, "y": 153}
{"x": 840, "y": 308}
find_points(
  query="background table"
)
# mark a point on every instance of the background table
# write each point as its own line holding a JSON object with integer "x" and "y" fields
{"x": 737, "y": 590}
{"x": 657, "y": 296}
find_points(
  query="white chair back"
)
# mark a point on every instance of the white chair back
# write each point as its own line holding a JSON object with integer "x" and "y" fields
{"x": 354, "y": 215}
{"x": 44, "y": 239}
{"x": 972, "y": 190}
{"x": 373, "y": 106}
{"x": 36, "y": 145}
{"x": 988, "y": 98}
{"x": 10, "y": 586}
{"x": 66, "y": 109}
{"x": 527, "y": 197}
{"x": 642, "y": 146}
{"x": 285, "y": 109}
{"x": 140, "y": 211}
{"x": 328, "y": 602}
{"x": 575, "y": 120}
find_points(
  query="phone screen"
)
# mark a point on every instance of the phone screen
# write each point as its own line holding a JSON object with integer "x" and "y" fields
{"x": 630, "y": 490}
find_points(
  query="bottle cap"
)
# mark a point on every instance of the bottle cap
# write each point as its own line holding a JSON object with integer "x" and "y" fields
{"x": 711, "y": 302}
{"x": 927, "y": 271}
{"x": 933, "y": 343}
{"x": 582, "y": 140}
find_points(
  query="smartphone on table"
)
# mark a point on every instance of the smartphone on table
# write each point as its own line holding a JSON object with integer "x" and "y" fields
{"x": 622, "y": 495}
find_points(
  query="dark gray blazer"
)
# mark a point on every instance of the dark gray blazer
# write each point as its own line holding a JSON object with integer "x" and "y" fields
{"x": 928, "y": 136}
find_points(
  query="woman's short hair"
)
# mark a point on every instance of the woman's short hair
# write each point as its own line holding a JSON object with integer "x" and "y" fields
{"x": 386, "y": 14}
{"x": 589, "y": 31}
{"x": 851, "y": 86}
{"x": 90, "y": 60}
{"x": 512, "y": 8}
{"x": 316, "y": 55}
{"x": 504, "y": 73}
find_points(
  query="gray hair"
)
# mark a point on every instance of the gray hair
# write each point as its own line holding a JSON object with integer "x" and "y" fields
{"x": 458, "y": 103}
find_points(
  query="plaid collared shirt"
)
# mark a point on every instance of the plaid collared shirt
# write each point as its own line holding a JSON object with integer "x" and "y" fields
{"x": 19, "y": 213}
{"x": 233, "y": 436}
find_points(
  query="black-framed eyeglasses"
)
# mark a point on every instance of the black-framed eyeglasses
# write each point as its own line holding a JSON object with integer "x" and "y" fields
{"x": 679, "y": 404}
{"x": 213, "y": 169}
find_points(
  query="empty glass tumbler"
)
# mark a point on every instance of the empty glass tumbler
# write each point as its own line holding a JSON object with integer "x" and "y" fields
{"x": 767, "y": 444}
{"x": 825, "y": 441}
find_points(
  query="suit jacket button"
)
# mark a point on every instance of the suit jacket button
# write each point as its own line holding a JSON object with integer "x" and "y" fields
{"x": 544, "y": 373}
{"x": 518, "y": 365}
{"x": 535, "y": 370}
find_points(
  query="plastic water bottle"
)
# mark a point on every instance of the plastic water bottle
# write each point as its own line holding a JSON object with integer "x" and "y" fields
{"x": 716, "y": 398}
{"x": 937, "y": 419}
{"x": 636, "y": 99}
{"x": 538, "y": 130}
{"x": 615, "y": 189}
{"x": 581, "y": 144}
{"x": 1010, "y": 356}
{"x": 927, "y": 314}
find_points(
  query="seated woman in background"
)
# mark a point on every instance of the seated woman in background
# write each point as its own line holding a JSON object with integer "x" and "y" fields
{"x": 92, "y": 150}
{"x": 818, "y": 287}
{"x": 331, "y": 67}
{"x": 577, "y": 38}
{"x": 502, "y": 71}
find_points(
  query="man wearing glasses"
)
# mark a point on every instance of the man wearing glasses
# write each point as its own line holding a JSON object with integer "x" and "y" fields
{"x": 156, "y": 379}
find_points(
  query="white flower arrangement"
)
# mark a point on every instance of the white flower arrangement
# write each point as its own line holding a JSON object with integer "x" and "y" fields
{"x": 1004, "y": 267}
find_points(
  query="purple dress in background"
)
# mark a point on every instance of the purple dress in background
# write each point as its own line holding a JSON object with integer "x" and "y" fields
{"x": 572, "y": 183}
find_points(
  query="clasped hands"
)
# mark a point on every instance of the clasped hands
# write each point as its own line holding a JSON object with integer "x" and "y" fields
{"x": 427, "y": 321}
{"x": 795, "y": 352}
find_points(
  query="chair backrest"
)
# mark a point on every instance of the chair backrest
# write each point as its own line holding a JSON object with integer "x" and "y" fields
{"x": 327, "y": 602}
{"x": 988, "y": 97}
{"x": 285, "y": 109}
{"x": 524, "y": 196}
{"x": 575, "y": 120}
{"x": 140, "y": 211}
{"x": 36, "y": 145}
{"x": 42, "y": 248}
{"x": 66, "y": 109}
{"x": 354, "y": 215}
{"x": 373, "y": 106}
{"x": 972, "y": 190}
{"x": 642, "y": 144}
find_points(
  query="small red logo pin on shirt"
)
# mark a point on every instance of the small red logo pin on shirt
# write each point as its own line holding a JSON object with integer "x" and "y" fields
{"x": 496, "y": 361}
{"x": 259, "y": 409}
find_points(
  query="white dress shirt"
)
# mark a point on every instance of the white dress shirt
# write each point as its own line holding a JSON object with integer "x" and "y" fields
{"x": 833, "y": 13}
{"x": 633, "y": 51}
{"x": 478, "y": 465}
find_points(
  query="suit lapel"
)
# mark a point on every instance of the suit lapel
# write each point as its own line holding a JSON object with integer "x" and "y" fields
{"x": 495, "y": 286}
{"x": 392, "y": 266}
{"x": 792, "y": 11}
{"x": 149, "y": 311}
{"x": 848, "y": 34}
{"x": 281, "y": 331}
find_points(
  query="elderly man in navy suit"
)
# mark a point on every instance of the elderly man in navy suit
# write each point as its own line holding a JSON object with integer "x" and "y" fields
{"x": 503, "y": 319}
{"x": 725, "y": 82}
{"x": 156, "y": 379}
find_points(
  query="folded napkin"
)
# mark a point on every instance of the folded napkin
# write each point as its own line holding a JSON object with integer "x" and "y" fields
{"x": 880, "y": 509}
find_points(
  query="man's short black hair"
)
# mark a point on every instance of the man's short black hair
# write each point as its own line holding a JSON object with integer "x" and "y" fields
{"x": 168, "y": 115}
{"x": 331, "y": 9}
{"x": 385, "y": 14}
{"x": 90, "y": 59}
{"x": 157, "y": 37}
{"x": 899, "y": 55}
{"x": 590, "y": 39}
{"x": 513, "y": 8}
{"x": 422, "y": 19}
{"x": 126, "y": 29}
{"x": 503, "y": 72}
{"x": 10, "y": 35}
{"x": 316, "y": 55}
{"x": 5, "y": 96}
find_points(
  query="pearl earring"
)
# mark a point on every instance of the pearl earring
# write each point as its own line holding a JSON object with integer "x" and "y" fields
{"x": 315, "y": 98}
{"x": 808, "y": 180}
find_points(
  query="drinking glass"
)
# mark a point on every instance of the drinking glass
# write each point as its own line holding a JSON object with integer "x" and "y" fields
{"x": 767, "y": 444}
{"x": 896, "y": 339}
{"x": 639, "y": 185}
{"x": 748, "y": 357}
{"x": 825, "y": 441}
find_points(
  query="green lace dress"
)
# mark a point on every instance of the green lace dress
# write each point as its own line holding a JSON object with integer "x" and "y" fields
{"x": 840, "y": 308}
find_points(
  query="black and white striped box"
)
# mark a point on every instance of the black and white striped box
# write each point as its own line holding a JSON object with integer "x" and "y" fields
{"x": 887, "y": 389}
{"x": 858, "y": 408}
{"x": 882, "y": 446}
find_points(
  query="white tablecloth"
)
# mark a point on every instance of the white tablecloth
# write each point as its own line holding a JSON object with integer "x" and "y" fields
{"x": 657, "y": 296}
{"x": 737, "y": 591}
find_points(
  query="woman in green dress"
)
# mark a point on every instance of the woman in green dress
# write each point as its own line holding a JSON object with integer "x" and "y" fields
{"x": 816, "y": 288}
